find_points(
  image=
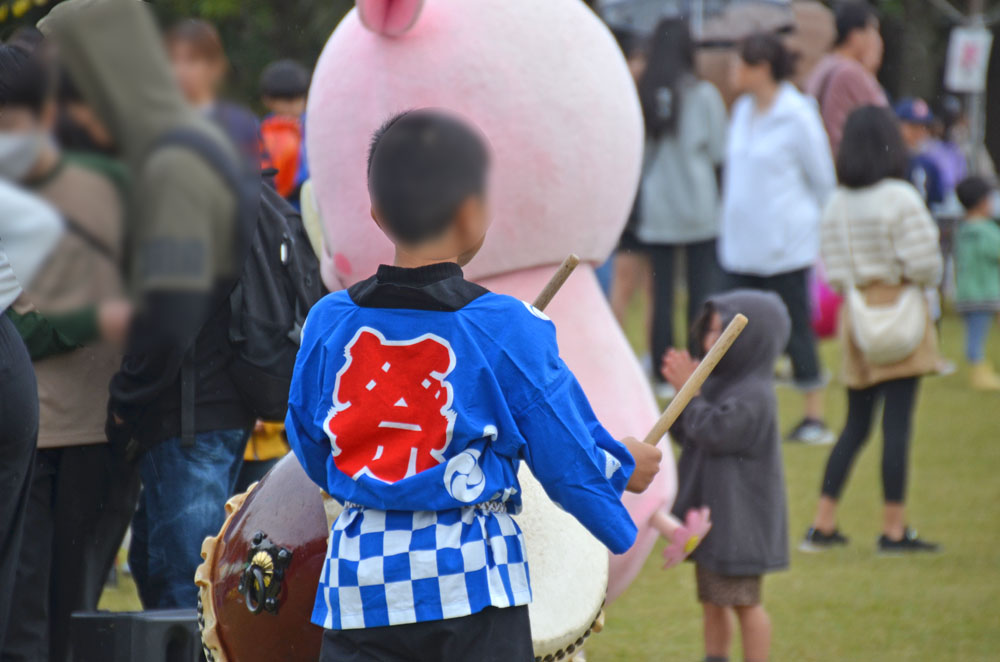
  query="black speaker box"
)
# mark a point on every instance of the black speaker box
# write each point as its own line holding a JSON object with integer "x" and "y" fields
{"x": 165, "y": 635}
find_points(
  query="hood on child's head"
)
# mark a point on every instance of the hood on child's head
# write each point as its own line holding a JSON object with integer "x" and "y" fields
{"x": 763, "y": 340}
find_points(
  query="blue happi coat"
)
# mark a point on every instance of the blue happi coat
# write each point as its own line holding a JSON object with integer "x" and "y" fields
{"x": 415, "y": 397}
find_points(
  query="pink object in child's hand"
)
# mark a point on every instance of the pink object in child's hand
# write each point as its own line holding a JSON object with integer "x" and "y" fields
{"x": 686, "y": 537}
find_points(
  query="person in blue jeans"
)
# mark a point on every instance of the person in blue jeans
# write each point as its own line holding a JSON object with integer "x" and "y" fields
{"x": 191, "y": 483}
{"x": 183, "y": 228}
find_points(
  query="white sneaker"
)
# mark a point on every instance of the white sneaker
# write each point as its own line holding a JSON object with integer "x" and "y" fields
{"x": 812, "y": 433}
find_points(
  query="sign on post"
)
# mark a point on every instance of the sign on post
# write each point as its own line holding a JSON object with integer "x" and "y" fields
{"x": 968, "y": 59}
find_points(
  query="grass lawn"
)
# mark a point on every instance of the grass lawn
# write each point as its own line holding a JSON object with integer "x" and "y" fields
{"x": 848, "y": 605}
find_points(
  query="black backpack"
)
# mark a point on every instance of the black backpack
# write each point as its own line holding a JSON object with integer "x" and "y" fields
{"x": 278, "y": 284}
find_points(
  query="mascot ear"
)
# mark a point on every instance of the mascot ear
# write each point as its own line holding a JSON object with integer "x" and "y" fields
{"x": 390, "y": 18}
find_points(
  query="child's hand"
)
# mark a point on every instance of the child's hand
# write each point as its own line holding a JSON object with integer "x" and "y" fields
{"x": 647, "y": 464}
{"x": 677, "y": 367}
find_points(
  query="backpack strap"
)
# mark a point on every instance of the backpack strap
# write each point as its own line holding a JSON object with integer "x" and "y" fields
{"x": 229, "y": 170}
{"x": 89, "y": 238}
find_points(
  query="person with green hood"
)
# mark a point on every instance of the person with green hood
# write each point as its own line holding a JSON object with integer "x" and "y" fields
{"x": 183, "y": 232}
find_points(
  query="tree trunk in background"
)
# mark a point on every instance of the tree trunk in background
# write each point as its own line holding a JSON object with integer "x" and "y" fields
{"x": 921, "y": 50}
{"x": 993, "y": 99}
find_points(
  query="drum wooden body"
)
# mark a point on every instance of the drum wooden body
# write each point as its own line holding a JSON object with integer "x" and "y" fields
{"x": 285, "y": 506}
{"x": 284, "y": 518}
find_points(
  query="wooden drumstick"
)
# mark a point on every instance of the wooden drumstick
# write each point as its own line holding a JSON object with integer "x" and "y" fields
{"x": 697, "y": 378}
{"x": 557, "y": 280}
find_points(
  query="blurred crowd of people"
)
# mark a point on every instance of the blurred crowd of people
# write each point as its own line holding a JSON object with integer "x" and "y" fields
{"x": 850, "y": 209}
{"x": 118, "y": 244}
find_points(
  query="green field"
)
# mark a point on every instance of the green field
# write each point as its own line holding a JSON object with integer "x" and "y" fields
{"x": 848, "y": 605}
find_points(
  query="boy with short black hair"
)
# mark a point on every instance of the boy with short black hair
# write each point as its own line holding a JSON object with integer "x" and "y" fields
{"x": 416, "y": 394}
{"x": 284, "y": 87}
{"x": 977, "y": 276}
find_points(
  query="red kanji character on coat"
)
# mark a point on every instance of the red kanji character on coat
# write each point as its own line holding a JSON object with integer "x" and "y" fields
{"x": 392, "y": 415}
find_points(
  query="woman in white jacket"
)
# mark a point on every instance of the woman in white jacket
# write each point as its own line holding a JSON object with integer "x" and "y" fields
{"x": 778, "y": 175}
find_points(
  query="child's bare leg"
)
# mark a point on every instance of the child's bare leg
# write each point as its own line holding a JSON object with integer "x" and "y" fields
{"x": 627, "y": 279}
{"x": 826, "y": 515}
{"x": 814, "y": 404}
{"x": 755, "y": 627}
{"x": 718, "y": 630}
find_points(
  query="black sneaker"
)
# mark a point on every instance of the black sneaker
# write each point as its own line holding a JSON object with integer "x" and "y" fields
{"x": 817, "y": 541}
{"x": 812, "y": 432}
{"x": 909, "y": 543}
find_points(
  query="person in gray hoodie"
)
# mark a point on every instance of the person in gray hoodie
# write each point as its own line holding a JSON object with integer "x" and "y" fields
{"x": 731, "y": 462}
{"x": 183, "y": 230}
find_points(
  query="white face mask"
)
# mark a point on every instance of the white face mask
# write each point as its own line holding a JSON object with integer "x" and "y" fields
{"x": 19, "y": 152}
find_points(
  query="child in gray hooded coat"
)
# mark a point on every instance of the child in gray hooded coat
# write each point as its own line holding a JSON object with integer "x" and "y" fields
{"x": 731, "y": 462}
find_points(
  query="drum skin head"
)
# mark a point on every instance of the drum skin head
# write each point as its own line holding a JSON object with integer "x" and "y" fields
{"x": 287, "y": 507}
{"x": 569, "y": 573}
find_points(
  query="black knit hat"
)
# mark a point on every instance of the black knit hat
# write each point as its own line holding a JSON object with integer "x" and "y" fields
{"x": 972, "y": 190}
{"x": 284, "y": 79}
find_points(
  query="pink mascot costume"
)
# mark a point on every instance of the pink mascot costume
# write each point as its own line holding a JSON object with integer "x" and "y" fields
{"x": 547, "y": 84}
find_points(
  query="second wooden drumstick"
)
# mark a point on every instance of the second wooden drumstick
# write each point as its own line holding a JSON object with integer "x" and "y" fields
{"x": 557, "y": 280}
{"x": 697, "y": 378}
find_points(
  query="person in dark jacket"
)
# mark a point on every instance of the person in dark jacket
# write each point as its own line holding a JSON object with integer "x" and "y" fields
{"x": 731, "y": 462}
{"x": 183, "y": 262}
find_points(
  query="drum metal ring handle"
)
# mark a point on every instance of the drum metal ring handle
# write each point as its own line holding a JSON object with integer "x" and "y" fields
{"x": 255, "y": 590}
{"x": 263, "y": 574}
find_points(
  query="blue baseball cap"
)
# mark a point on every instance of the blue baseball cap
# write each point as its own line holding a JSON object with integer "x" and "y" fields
{"x": 913, "y": 110}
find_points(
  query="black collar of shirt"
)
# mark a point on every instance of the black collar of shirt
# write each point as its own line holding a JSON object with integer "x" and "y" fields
{"x": 440, "y": 287}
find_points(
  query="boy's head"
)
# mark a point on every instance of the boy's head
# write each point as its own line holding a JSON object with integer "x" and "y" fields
{"x": 915, "y": 120}
{"x": 976, "y": 195}
{"x": 858, "y": 35}
{"x": 197, "y": 58}
{"x": 284, "y": 86}
{"x": 27, "y": 111}
{"x": 427, "y": 178}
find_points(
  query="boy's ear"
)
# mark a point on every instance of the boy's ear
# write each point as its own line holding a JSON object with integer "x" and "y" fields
{"x": 471, "y": 216}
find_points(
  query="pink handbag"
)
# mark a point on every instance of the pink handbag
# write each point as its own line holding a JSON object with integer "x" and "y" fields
{"x": 825, "y": 304}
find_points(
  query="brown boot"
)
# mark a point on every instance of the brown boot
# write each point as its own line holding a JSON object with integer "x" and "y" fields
{"x": 982, "y": 377}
